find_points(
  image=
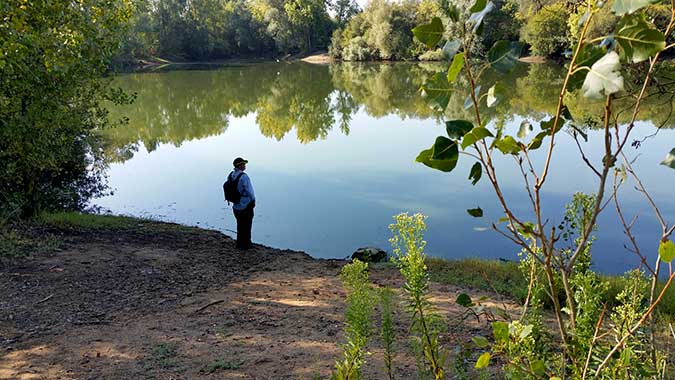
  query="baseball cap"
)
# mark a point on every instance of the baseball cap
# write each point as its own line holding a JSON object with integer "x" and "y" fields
{"x": 237, "y": 161}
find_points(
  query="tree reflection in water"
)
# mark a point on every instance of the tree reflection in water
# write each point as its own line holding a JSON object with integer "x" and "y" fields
{"x": 182, "y": 105}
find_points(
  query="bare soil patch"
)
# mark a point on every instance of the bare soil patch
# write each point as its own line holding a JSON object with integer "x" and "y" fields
{"x": 320, "y": 58}
{"x": 185, "y": 305}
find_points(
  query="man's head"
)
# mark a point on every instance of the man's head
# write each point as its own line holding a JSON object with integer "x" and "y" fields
{"x": 239, "y": 163}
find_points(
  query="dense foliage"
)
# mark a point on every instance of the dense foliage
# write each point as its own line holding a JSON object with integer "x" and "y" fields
{"x": 52, "y": 56}
{"x": 594, "y": 339}
{"x": 216, "y": 29}
{"x": 201, "y": 30}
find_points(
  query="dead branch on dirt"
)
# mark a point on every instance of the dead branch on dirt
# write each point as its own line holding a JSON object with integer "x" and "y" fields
{"x": 92, "y": 322}
{"x": 207, "y": 306}
{"x": 45, "y": 299}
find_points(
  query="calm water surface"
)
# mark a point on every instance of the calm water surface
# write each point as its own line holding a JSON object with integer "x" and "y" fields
{"x": 331, "y": 153}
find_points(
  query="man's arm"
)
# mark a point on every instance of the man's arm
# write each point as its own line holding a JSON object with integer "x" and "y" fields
{"x": 249, "y": 187}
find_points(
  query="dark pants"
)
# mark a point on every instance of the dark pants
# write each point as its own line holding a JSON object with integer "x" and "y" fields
{"x": 244, "y": 223}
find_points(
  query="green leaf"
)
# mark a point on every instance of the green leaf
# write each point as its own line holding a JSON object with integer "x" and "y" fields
{"x": 455, "y": 67}
{"x": 604, "y": 77}
{"x": 443, "y": 149}
{"x": 548, "y": 125}
{"x": 463, "y": 299}
{"x": 429, "y": 34}
{"x": 451, "y": 48}
{"x": 500, "y": 330}
{"x": 638, "y": 39}
{"x": 525, "y": 129}
{"x": 456, "y": 129}
{"x": 476, "y": 173}
{"x": 504, "y": 55}
{"x": 622, "y": 7}
{"x": 669, "y": 161}
{"x": 480, "y": 341}
{"x": 475, "y": 135}
{"x": 509, "y": 145}
{"x": 525, "y": 332}
{"x": 495, "y": 94}
{"x": 538, "y": 367}
{"x": 527, "y": 229}
{"x": 477, "y": 18}
{"x": 437, "y": 91}
{"x": 588, "y": 55}
{"x": 443, "y": 155}
{"x": 478, "y": 6}
{"x": 483, "y": 360}
{"x": 475, "y": 212}
{"x": 667, "y": 251}
{"x": 537, "y": 140}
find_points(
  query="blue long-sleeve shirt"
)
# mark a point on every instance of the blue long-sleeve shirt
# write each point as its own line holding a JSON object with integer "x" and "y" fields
{"x": 245, "y": 189}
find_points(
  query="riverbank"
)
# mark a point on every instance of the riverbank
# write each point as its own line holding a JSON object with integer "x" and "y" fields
{"x": 122, "y": 298}
{"x": 105, "y": 297}
{"x": 321, "y": 58}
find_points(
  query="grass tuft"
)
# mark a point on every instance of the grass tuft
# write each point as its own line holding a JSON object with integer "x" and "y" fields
{"x": 221, "y": 364}
{"x": 165, "y": 356}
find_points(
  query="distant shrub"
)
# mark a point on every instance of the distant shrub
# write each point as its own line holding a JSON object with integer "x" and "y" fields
{"x": 602, "y": 23}
{"x": 546, "y": 32}
{"x": 357, "y": 50}
{"x": 335, "y": 48}
{"x": 432, "y": 55}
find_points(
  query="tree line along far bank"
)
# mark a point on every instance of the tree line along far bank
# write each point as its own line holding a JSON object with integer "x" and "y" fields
{"x": 203, "y": 30}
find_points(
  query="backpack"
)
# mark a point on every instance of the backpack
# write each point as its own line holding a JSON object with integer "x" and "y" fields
{"x": 230, "y": 189}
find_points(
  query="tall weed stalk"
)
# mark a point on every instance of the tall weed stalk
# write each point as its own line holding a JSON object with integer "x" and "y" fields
{"x": 358, "y": 326}
{"x": 408, "y": 246}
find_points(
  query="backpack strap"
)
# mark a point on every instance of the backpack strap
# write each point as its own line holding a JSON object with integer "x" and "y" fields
{"x": 235, "y": 179}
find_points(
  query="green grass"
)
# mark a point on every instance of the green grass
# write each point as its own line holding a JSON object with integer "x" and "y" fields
{"x": 165, "y": 356}
{"x": 221, "y": 364}
{"x": 77, "y": 220}
{"x": 489, "y": 275}
{"x": 506, "y": 279}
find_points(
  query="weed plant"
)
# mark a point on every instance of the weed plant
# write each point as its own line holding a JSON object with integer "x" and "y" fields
{"x": 408, "y": 246}
{"x": 221, "y": 364}
{"x": 358, "y": 325}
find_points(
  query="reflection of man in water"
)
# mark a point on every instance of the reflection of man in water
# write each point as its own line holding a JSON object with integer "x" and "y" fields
{"x": 243, "y": 210}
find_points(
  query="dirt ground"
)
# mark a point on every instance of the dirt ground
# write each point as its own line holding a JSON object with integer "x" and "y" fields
{"x": 188, "y": 305}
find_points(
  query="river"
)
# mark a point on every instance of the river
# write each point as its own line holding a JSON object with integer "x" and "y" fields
{"x": 332, "y": 150}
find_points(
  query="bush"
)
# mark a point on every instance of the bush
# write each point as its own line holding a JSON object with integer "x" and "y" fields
{"x": 335, "y": 48}
{"x": 546, "y": 32}
{"x": 432, "y": 55}
{"x": 602, "y": 23}
{"x": 357, "y": 50}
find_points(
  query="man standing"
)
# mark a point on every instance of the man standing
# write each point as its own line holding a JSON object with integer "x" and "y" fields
{"x": 243, "y": 210}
